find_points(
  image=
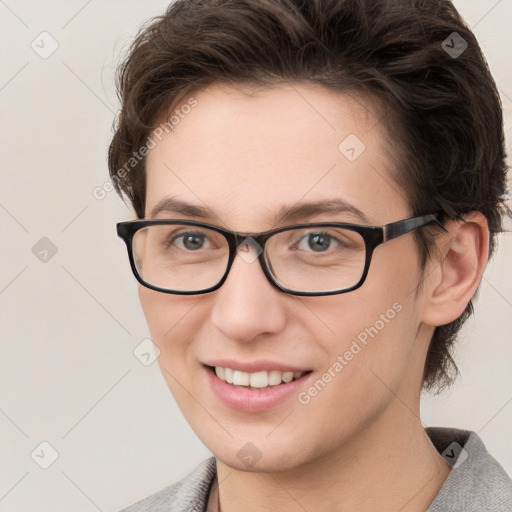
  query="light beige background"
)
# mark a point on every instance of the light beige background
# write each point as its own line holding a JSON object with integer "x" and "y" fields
{"x": 69, "y": 326}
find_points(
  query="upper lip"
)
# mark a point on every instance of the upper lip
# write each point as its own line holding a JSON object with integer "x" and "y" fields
{"x": 255, "y": 366}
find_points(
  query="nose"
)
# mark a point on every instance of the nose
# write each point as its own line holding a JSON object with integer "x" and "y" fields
{"x": 247, "y": 304}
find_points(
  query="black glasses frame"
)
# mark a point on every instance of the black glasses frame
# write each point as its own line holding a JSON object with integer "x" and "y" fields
{"x": 373, "y": 237}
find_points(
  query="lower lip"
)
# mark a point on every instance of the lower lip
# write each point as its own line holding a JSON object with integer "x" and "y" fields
{"x": 254, "y": 400}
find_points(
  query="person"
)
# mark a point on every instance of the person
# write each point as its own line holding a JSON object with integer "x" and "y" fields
{"x": 318, "y": 186}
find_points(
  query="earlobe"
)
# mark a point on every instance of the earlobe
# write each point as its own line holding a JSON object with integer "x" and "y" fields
{"x": 463, "y": 255}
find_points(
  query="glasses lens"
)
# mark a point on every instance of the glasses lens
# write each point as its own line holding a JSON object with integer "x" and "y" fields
{"x": 180, "y": 257}
{"x": 317, "y": 258}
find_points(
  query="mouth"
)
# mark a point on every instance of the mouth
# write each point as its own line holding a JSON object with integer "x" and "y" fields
{"x": 256, "y": 385}
{"x": 259, "y": 380}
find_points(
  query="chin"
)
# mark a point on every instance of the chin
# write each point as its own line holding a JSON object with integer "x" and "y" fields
{"x": 262, "y": 465}
{"x": 261, "y": 455}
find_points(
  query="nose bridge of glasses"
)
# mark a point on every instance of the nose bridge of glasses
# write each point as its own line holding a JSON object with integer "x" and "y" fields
{"x": 248, "y": 248}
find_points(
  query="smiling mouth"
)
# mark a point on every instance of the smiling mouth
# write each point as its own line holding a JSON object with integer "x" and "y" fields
{"x": 256, "y": 380}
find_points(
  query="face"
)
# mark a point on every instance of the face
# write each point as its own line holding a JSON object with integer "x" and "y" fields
{"x": 245, "y": 154}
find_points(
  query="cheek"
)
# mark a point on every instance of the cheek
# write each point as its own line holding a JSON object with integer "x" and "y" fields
{"x": 367, "y": 364}
{"x": 169, "y": 319}
{"x": 369, "y": 333}
{"x": 166, "y": 316}
{"x": 155, "y": 305}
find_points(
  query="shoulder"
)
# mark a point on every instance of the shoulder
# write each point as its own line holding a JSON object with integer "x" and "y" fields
{"x": 190, "y": 493}
{"x": 477, "y": 481}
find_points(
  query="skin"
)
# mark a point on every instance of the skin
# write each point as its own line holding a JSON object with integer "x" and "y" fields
{"x": 359, "y": 444}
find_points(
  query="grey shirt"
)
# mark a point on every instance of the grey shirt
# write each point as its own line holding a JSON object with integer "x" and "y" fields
{"x": 476, "y": 482}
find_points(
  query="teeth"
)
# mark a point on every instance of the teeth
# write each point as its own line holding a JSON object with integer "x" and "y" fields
{"x": 287, "y": 376}
{"x": 240, "y": 378}
{"x": 274, "y": 377}
{"x": 258, "y": 379}
{"x": 228, "y": 375}
{"x": 261, "y": 379}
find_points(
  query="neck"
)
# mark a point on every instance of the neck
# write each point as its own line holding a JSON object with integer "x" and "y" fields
{"x": 387, "y": 466}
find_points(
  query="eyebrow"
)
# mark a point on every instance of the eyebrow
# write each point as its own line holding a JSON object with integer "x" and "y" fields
{"x": 286, "y": 213}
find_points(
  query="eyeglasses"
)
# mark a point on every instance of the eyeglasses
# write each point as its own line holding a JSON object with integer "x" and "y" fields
{"x": 186, "y": 257}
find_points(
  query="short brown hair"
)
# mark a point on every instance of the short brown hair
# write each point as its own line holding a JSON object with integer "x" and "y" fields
{"x": 445, "y": 118}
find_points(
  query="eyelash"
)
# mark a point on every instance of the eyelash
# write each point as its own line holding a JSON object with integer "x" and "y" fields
{"x": 175, "y": 236}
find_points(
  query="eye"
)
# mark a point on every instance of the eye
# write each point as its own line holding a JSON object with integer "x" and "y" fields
{"x": 190, "y": 240}
{"x": 317, "y": 241}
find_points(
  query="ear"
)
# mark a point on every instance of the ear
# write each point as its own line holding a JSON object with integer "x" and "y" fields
{"x": 456, "y": 271}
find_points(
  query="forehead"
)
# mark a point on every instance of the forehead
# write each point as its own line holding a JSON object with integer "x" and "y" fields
{"x": 245, "y": 153}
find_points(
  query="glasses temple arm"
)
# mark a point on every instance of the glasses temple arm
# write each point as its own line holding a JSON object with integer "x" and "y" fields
{"x": 401, "y": 227}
